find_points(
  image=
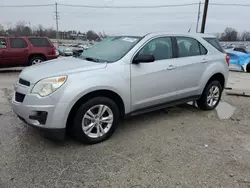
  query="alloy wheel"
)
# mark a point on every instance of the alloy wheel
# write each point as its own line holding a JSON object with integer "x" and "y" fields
{"x": 213, "y": 96}
{"x": 36, "y": 61}
{"x": 97, "y": 121}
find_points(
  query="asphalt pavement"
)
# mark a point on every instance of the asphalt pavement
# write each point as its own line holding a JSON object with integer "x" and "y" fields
{"x": 176, "y": 147}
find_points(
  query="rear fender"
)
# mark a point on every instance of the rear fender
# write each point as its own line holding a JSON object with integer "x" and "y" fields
{"x": 211, "y": 70}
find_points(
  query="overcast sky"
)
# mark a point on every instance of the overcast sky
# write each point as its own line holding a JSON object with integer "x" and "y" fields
{"x": 127, "y": 21}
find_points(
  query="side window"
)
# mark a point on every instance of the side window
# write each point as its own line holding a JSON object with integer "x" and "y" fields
{"x": 18, "y": 43}
{"x": 160, "y": 48}
{"x": 2, "y": 43}
{"x": 189, "y": 47}
{"x": 215, "y": 43}
{"x": 39, "y": 42}
{"x": 203, "y": 50}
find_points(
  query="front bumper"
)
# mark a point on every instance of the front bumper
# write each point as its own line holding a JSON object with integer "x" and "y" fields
{"x": 43, "y": 113}
{"x": 52, "y": 134}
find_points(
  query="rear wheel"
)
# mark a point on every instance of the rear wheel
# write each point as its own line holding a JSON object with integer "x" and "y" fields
{"x": 211, "y": 96}
{"x": 96, "y": 120}
{"x": 36, "y": 60}
{"x": 248, "y": 67}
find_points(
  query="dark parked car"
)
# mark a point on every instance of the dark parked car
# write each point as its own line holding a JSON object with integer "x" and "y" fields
{"x": 77, "y": 52}
{"x": 23, "y": 51}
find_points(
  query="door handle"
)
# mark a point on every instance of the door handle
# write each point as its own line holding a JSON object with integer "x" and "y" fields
{"x": 204, "y": 61}
{"x": 171, "y": 67}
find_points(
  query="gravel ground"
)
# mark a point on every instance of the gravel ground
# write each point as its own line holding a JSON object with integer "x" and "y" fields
{"x": 177, "y": 147}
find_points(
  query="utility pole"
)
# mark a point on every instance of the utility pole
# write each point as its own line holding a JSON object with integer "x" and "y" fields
{"x": 198, "y": 17}
{"x": 57, "y": 32}
{"x": 204, "y": 19}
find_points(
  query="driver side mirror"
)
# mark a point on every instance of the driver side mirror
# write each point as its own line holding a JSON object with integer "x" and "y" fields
{"x": 143, "y": 59}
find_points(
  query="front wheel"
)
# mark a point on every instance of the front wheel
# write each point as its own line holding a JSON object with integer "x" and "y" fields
{"x": 211, "y": 96}
{"x": 96, "y": 120}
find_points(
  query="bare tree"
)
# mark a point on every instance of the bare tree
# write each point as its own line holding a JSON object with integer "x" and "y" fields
{"x": 22, "y": 28}
{"x": 229, "y": 34}
{"x": 245, "y": 36}
{"x": 2, "y": 32}
{"x": 91, "y": 35}
{"x": 19, "y": 28}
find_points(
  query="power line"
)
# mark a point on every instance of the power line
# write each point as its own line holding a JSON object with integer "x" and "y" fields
{"x": 226, "y": 4}
{"x": 124, "y": 7}
{"x": 23, "y": 6}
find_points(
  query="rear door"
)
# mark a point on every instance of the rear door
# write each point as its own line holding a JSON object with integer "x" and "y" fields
{"x": 19, "y": 52}
{"x": 191, "y": 64}
{"x": 3, "y": 50}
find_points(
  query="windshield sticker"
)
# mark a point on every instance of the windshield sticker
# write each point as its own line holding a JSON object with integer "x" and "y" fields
{"x": 128, "y": 39}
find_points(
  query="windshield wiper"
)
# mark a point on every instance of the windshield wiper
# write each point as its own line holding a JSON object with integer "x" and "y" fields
{"x": 91, "y": 59}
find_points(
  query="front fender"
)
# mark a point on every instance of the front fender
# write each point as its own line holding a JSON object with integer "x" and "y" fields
{"x": 74, "y": 90}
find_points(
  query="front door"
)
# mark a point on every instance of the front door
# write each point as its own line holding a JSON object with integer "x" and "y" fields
{"x": 154, "y": 83}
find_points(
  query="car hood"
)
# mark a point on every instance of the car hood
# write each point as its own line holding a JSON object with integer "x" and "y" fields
{"x": 57, "y": 67}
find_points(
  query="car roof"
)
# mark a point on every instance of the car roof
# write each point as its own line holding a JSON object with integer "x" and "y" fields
{"x": 181, "y": 34}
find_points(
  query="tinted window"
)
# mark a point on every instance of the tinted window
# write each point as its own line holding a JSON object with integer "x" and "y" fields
{"x": 203, "y": 50}
{"x": 18, "y": 43}
{"x": 215, "y": 43}
{"x": 160, "y": 48}
{"x": 2, "y": 43}
{"x": 39, "y": 42}
{"x": 187, "y": 46}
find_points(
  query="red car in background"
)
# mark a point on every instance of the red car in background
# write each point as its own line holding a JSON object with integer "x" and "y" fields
{"x": 25, "y": 51}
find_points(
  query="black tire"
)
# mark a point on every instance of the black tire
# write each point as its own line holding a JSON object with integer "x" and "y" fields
{"x": 248, "y": 67}
{"x": 77, "y": 126}
{"x": 202, "y": 102}
{"x": 35, "y": 58}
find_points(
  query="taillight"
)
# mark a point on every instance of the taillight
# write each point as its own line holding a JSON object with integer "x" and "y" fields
{"x": 227, "y": 59}
{"x": 53, "y": 50}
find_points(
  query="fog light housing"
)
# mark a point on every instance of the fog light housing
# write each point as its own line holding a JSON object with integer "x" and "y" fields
{"x": 40, "y": 116}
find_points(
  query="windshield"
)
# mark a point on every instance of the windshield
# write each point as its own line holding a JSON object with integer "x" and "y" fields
{"x": 110, "y": 49}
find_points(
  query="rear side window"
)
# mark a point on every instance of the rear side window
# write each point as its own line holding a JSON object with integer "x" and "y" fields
{"x": 189, "y": 47}
{"x": 215, "y": 43}
{"x": 2, "y": 43}
{"x": 39, "y": 42}
{"x": 18, "y": 43}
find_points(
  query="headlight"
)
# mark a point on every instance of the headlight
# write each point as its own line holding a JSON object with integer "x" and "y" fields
{"x": 48, "y": 85}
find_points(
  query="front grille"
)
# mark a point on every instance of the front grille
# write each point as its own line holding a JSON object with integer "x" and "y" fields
{"x": 24, "y": 82}
{"x": 19, "y": 97}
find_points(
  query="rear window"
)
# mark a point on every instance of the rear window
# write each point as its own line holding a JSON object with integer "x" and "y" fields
{"x": 215, "y": 43}
{"x": 39, "y": 42}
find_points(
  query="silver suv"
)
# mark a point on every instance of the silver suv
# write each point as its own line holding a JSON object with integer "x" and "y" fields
{"x": 120, "y": 76}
